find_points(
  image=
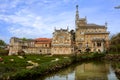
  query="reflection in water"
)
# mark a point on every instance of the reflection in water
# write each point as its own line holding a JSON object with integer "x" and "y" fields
{"x": 111, "y": 75}
{"x": 90, "y": 71}
{"x": 86, "y": 71}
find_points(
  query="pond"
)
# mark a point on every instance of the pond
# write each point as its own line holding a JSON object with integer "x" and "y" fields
{"x": 85, "y": 71}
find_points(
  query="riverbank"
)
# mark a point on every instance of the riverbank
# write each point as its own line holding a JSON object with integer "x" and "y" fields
{"x": 32, "y": 66}
{"x": 112, "y": 57}
{"x": 115, "y": 58}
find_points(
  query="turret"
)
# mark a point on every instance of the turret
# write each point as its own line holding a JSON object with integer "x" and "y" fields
{"x": 106, "y": 24}
{"x": 77, "y": 13}
{"x": 77, "y": 16}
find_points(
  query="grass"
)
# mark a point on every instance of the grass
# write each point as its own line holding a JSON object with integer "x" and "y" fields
{"x": 13, "y": 65}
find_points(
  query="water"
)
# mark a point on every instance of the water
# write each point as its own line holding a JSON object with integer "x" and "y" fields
{"x": 85, "y": 71}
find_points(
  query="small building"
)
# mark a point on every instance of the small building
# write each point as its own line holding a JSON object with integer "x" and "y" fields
{"x": 62, "y": 42}
{"x": 43, "y": 45}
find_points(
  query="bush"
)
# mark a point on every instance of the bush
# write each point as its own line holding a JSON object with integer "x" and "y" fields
{"x": 4, "y": 52}
{"x": 115, "y": 43}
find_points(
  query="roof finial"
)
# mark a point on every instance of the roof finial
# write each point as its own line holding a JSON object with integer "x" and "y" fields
{"x": 76, "y": 7}
{"x": 106, "y": 24}
{"x": 55, "y": 28}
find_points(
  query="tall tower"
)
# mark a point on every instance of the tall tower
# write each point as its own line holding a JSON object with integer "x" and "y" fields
{"x": 77, "y": 13}
{"x": 77, "y": 16}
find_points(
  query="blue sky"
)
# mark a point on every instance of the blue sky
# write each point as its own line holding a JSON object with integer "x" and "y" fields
{"x": 38, "y": 18}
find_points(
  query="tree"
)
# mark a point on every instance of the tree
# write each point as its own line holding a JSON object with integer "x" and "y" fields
{"x": 2, "y": 48}
{"x": 115, "y": 43}
{"x": 73, "y": 34}
{"x": 24, "y": 39}
{"x": 2, "y": 43}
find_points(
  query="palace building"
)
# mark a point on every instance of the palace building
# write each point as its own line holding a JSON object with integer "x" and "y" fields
{"x": 90, "y": 36}
{"x": 87, "y": 36}
{"x": 62, "y": 42}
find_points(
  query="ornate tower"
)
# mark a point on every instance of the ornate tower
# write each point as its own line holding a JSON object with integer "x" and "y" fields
{"x": 77, "y": 13}
{"x": 77, "y": 16}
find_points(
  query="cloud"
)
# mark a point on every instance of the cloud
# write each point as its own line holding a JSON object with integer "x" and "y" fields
{"x": 28, "y": 24}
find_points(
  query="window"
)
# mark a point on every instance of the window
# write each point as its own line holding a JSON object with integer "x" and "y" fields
{"x": 45, "y": 45}
{"x": 80, "y": 45}
{"x": 40, "y": 50}
{"x": 93, "y": 44}
{"x": 98, "y": 44}
{"x": 82, "y": 33}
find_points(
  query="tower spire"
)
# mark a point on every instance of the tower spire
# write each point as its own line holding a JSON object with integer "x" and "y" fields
{"x": 106, "y": 24}
{"x": 77, "y": 13}
{"x": 76, "y": 17}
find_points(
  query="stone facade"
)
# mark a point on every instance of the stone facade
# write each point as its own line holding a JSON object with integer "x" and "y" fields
{"x": 62, "y": 42}
{"x": 37, "y": 46}
{"x": 43, "y": 45}
{"x": 92, "y": 36}
{"x": 19, "y": 45}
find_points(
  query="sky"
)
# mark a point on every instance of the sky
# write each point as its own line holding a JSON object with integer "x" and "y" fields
{"x": 38, "y": 18}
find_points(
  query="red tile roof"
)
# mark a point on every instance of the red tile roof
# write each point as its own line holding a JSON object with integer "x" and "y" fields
{"x": 43, "y": 40}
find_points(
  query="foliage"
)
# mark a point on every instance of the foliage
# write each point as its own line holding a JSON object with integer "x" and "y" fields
{"x": 24, "y": 39}
{"x": 87, "y": 56}
{"x": 3, "y": 52}
{"x": 115, "y": 43}
{"x": 73, "y": 35}
{"x": 2, "y": 44}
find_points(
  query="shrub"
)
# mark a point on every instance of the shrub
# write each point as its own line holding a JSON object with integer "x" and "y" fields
{"x": 4, "y": 52}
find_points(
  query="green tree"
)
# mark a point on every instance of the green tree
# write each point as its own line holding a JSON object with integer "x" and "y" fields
{"x": 2, "y": 48}
{"x": 115, "y": 43}
{"x": 2, "y": 43}
{"x": 24, "y": 39}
